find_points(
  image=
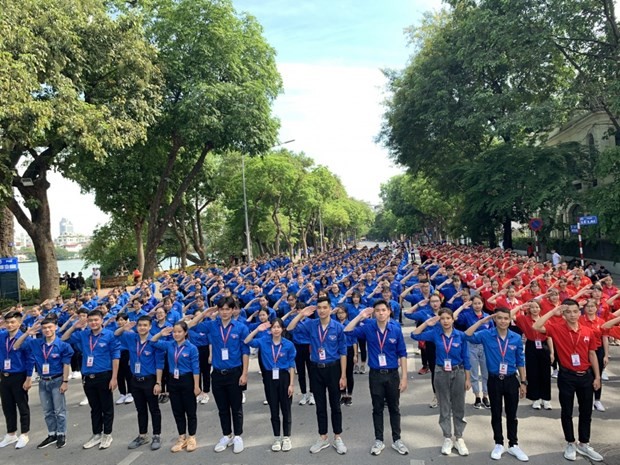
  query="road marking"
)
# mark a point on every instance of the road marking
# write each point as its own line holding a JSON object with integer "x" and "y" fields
{"x": 130, "y": 458}
{"x": 416, "y": 462}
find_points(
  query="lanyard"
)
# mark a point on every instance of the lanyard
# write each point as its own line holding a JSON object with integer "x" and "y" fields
{"x": 447, "y": 347}
{"x": 225, "y": 338}
{"x": 9, "y": 347}
{"x": 382, "y": 341}
{"x": 177, "y": 354}
{"x": 570, "y": 331}
{"x": 322, "y": 335}
{"x": 90, "y": 343}
{"x": 138, "y": 350}
{"x": 503, "y": 350}
{"x": 47, "y": 354}
{"x": 273, "y": 353}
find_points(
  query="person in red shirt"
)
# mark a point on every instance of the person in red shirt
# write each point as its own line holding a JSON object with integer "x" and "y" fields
{"x": 546, "y": 282}
{"x": 529, "y": 292}
{"x": 565, "y": 291}
{"x": 505, "y": 298}
{"x": 609, "y": 290}
{"x": 603, "y": 310}
{"x": 591, "y": 320}
{"x": 579, "y": 374}
{"x": 538, "y": 357}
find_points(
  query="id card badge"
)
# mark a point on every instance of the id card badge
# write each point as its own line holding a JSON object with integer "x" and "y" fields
{"x": 503, "y": 368}
{"x": 322, "y": 354}
{"x": 90, "y": 361}
{"x": 275, "y": 373}
{"x": 575, "y": 359}
{"x": 7, "y": 364}
{"x": 45, "y": 369}
{"x": 382, "y": 360}
{"x": 538, "y": 344}
{"x": 224, "y": 353}
{"x": 136, "y": 368}
{"x": 176, "y": 373}
{"x": 447, "y": 365}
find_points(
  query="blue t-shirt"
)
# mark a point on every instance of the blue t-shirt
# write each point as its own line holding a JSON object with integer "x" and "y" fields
{"x": 453, "y": 347}
{"x": 390, "y": 342}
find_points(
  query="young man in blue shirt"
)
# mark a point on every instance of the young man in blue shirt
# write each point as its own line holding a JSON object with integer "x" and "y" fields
{"x": 505, "y": 358}
{"x": 52, "y": 358}
{"x": 100, "y": 361}
{"x": 386, "y": 351}
{"x": 328, "y": 367}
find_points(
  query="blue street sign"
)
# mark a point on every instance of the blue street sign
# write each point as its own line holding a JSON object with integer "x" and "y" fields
{"x": 8, "y": 264}
{"x": 588, "y": 220}
{"x": 573, "y": 229}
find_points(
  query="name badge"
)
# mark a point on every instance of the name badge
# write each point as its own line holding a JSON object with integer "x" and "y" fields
{"x": 224, "y": 353}
{"x": 176, "y": 373}
{"x": 538, "y": 344}
{"x": 90, "y": 361}
{"x": 7, "y": 364}
{"x": 447, "y": 365}
{"x": 45, "y": 369}
{"x": 382, "y": 360}
{"x": 322, "y": 354}
{"x": 575, "y": 359}
{"x": 275, "y": 373}
{"x": 136, "y": 367}
{"x": 503, "y": 368}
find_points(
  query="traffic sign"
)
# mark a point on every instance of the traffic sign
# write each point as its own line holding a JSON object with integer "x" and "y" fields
{"x": 574, "y": 229}
{"x": 536, "y": 224}
{"x": 588, "y": 220}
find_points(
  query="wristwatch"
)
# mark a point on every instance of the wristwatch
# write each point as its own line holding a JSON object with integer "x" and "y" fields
{"x": 524, "y": 382}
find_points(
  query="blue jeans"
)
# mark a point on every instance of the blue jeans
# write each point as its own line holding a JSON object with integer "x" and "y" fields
{"x": 479, "y": 372}
{"x": 54, "y": 406}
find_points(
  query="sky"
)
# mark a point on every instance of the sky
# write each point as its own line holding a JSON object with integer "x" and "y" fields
{"x": 330, "y": 54}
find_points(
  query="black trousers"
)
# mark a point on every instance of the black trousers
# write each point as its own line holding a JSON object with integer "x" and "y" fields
{"x": 431, "y": 353}
{"x": 600, "y": 354}
{"x": 350, "y": 380}
{"x": 227, "y": 393}
{"x": 385, "y": 389}
{"x": 264, "y": 374}
{"x": 101, "y": 401}
{"x": 145, "y": 400}
{"x": 537, "y": 367}
{"x": 279, "y": 401}
{"x": 302, "y": 363}
{"x": 14, "y": 398}
{"x": 183, "y": 403}
{"x": 124, "y": 373}
{"x": 325, "y": 382}
{"x": 569, "y": 384}
{"x": 363, "y": 350}
{"x": 76, "y": 360}
{"x": 205, "y": 368}
{"x": 504, "y": 392}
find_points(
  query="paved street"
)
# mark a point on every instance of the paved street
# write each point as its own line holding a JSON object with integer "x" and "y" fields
{"x": 539, "y": 431}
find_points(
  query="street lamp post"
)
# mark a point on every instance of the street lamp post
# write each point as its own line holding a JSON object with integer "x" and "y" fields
{"x": 248, "y": 240}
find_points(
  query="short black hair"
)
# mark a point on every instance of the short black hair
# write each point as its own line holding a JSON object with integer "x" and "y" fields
{"x": 49, "y": 320}
{"x": 323, "y": 299}
{"x": 13, "y": 314}
{"x": 145, "y": 318}
{"x": 380, "y": 302}
{"x": 96, "y": 313}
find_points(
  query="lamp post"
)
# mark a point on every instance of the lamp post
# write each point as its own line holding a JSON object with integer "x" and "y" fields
{"x": 248, "y": 241}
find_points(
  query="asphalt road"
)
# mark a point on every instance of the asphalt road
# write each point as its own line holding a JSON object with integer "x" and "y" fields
{"x": 540, "y": 433}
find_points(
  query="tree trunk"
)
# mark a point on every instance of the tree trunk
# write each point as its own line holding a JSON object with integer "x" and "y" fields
{"x": 507, "y": 224}
{"x": 7, "y": 232}
{"x": 137, "y": 228}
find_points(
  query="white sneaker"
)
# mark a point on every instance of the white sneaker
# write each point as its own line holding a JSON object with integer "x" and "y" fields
{"x": 304, "y": 399}
{"x": 286, "y": 444}
{"x": 237, "y": 445}
{"x": 311, "y": 400}
{"x": 461, "y": 448}
{"x": 77, "y": 375}
{"x": 363, "y": 369}
{"x": 599, "y": 406}
{"x": 205, "y": 398}
{"x": 265, "y": 402}
{"x": 377, "y": 447}
{"x": 92, "y": 442}
{"x": 22, "y": 441}
{"x": 554, "y": 374}
{"x": 588, "y": 451}
{"x": 605, "y": 376}
{"x": 570, "y": 452}
{"x": 434, "y": 403}
{"x": 243, "y": 397}
{"x": 339, "y": 446}
{"x": 498, "y": 451}
{"x": 9, "y": 439}
{"x": 446, "y": 448}
{"x": 537, "y": 404}
{"x": 356, "y": 369}
{"x": 224, "y": 442}
{"x": 106, "y": 441}
{"x": 70, "y": 375}
{"x": 128, "y": 399}
{"x": 121, "y": 399}
{"x": 518, "y": 453}
{"x": 84, "y": 401}
{"x": 199, "y": 398}
{"x": 276, "y": 446}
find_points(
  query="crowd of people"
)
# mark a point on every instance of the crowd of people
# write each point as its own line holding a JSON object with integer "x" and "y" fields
{"x": 489, "y": 321}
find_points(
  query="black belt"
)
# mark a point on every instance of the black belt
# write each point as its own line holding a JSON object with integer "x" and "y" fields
{"x": 383, "y": 371}
{"x": 499, "y": 376}
{"x": 141, "y": 379}
{"x": 6, "y": 374}
{"x": 102, "y": 374}
{"x": 226, "y": 371}
{"x": 324, "y": 365}
{"x": 454, "y": 368}
{"x": 49, "y": 378}
{"x": 575, "y": 373}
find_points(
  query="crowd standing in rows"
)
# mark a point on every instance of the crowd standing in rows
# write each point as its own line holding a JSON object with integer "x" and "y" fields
{"x": 491, "y": 321}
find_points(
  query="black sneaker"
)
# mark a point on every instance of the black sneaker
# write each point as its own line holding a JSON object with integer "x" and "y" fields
{"x": 156, "y": 442}
{"x": 164, "y": 399}
{"x": 478, "y": 403}
{"x": 485, "y": 402}
{"x": 48, "y": 441}
{"x": 61, "y": 441}
{"x": 343, "y": 399}
{"x": 348, "y": 400}
{"x": 139, "y": 441}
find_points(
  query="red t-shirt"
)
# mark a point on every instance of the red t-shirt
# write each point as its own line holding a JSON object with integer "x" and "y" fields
{"x": 525, "y": 323}
{"x": 595, "y": 327}
{"x": 546, "y": 306}
{"x": 568, "y": 342}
